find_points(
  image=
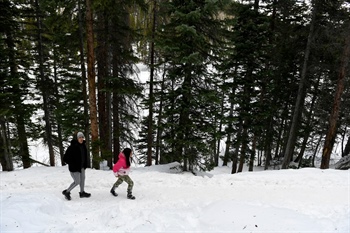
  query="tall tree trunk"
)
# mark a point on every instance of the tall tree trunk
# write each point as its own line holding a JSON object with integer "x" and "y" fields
{"x": 23, "y": 143}
{"x": 183, "y": 122}
{"x": 268, "y": 142}
{"x": 151, "y": 98}
{"x": 92, "y": 85}
{"x": 273, "y": 20}
{"x": 229, "y": 135}
{"x": 217, "y": 154}
{"x": 234, "y": 161}
{"x": 252, "y": 155}
{"x": 160, "y": 117}
{"x": 6, "y": 156}
{"x": 230, "y": 125}
{"x": 256, "y": 5}
{"x": 3, "y": 147}
{"x": 333, "y": 119}
{"x": 282, "y": 132}
{"x": 244, "y": 143}
{"x": 245, "y": 114}
{"x": 84, "y": 83}
{"x": 109, "y": 127}
{"x": 44, "y": 90}
{"x": 227, "y": 150}
{"x": 116, "y": 127}
{"x": 236, "y": 150}
{"x": 299, "y": 105}
{"x": 102, "y": 74}
{"x": 308, "y": 122}
{"x": 19, "y": 108}
{"x": 57, "y": 100}
{"x": 115, "y": 104}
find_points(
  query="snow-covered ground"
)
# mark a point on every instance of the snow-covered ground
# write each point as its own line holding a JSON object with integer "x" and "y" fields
{"x": 304, "y": 200}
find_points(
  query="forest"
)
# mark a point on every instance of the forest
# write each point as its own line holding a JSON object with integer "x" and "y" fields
{"x": 267, "y": 79}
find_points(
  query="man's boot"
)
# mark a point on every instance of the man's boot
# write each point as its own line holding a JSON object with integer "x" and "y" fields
{"x": 67, "y": 195}
{"x": 84, "y": 194}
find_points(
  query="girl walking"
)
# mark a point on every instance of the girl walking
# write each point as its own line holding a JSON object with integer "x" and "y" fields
{"x": 121, "y": 170}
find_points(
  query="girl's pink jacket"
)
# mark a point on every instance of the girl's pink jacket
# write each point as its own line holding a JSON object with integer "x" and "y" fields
{"x": 120, "y": 168}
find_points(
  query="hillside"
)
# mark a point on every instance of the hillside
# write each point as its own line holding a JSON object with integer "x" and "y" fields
{"x": 305, "y": 200}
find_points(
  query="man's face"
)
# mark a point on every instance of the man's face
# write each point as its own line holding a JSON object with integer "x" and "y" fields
{"x": 80, "y": 140}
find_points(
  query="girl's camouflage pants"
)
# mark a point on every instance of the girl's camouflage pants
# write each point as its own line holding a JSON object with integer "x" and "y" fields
{"x": 125, "y": 178}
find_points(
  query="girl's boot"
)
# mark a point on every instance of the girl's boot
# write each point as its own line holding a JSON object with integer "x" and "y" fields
{"x": 130, "y": 196}
{"x": 113, "y": 192}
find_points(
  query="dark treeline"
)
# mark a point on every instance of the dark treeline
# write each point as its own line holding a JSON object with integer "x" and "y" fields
{"x": 266, "y": 79}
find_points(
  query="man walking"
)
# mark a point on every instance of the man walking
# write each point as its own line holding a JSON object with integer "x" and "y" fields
{"x": 76, "y": 157}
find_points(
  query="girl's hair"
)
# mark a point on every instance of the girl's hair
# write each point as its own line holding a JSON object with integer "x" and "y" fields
{"x": 127, "y": 152}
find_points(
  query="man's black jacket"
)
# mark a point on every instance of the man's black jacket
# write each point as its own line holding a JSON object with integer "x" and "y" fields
{"x": 76, "y": 156}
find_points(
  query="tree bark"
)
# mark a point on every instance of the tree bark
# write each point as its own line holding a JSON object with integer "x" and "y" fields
{"x": 252, "y": 155}
{"x": 115, "y": 103}
{"x": 299, "y": 105}
{"x": 308, "y": 126}
{"x": 183, "y": 122}
{"x": 19, "y": 108}
{"x": 92, "y": 85}
{"x": 160, "y": 116}
{"x": 84, "y": 84}
{"x": 228, "y": 139}
{"x": 268, "y": 142}
{"x": 116, "y": 127}
{"x": 245, "y": 114}
{"x": 102, "y": 74}
{"x": 6, "y": 156}
{"x": 229, "y": 136}
{"x": 151, "y": 98}
{"x": 235, "y": 152}
{"x": 217, "y": 153}
{"x": 227, "y": 150}
{"x": 242, "y": 156}
{"x": 57, "y": 102}
{"x": 230, "y": 124}
{"x": 44, "y": 90}
{"x": 333, "y": 119}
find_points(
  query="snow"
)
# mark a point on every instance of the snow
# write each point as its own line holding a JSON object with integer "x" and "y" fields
{"x": 167, "y": 200}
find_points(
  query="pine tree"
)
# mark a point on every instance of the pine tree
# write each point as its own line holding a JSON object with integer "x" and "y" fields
{"x": 187, "y": 43}
{"x": 123, "y": 85}
{"x": 15, "y": 114}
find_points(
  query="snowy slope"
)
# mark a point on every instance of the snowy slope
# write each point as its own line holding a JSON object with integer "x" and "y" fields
{"x": 305, "y": 200}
